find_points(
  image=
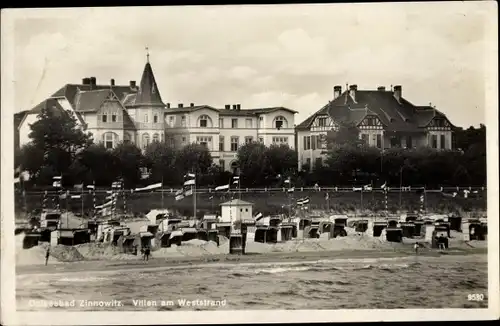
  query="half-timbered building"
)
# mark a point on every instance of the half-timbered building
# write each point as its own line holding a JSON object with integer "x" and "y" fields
{"x": 385, "y": 119}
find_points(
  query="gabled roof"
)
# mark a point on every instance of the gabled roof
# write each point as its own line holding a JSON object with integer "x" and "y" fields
{"x": 148, "y": 93}
{"x": 253, "y": 112}
{"x": 187, "y": 109}
{"x": 48, "y": 104}
{"x": 394, "y": 115}
{"x": 91, "y": 101}
{"x": 18, "y": 118}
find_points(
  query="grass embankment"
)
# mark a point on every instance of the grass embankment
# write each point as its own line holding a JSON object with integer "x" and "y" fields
{"x": 273, "y": 202}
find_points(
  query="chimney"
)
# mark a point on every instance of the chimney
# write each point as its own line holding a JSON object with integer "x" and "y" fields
{"x": 337, "y": 90}
{"x": 112, "y": 82}
{"x": 227, "y": 107}
{"x": 93, "y": 80}
{"x": 192, "y": 104}
{"x": 352, "y": 91}
{"x": 86, "y": 81}
{"x": 132, "y": 84}
{"x": 381, "y": 88}
{"x": 398, "y": 92}
{"x": 234, "y": 106}
{"x": 238, "y": 107}
{"x": 181, "y": 105}
{"x": 168, "y": 105}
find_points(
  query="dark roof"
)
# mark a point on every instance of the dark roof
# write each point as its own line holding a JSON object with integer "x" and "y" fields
{"x": 253, "y": 112}
{"x": 187, "y": 109}
{"x": 48, "y": 104}
{"x": 395, "y": 115}
{"x": 148, "y": 93}
{"x": 18, "y": 118}
{"x": 90, "y": 101}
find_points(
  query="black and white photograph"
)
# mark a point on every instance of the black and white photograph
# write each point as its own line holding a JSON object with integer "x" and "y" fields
{"x": 250, "y": 163}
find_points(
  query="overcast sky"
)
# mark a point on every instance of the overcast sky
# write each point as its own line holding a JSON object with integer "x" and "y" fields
{"x": 264, "y": 56}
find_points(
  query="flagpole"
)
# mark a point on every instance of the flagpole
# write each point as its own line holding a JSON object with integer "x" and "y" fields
{"x": 67, "y": 208}
{"x": 289, "y": 199}
{"x": 81, "y": 194}
{"x": 162, "y": 192}
{"x": 194, "y": 195}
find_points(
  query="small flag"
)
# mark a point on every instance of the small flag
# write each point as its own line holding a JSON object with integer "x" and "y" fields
{"x": 235, "y": 182}
{"x": 179, "y": 192}
{"x": 258, "y": 216}
{"x": 383, "y": 186}
{"x": 190, "y": 175}
{"x": 305, "y": 201}
{"x": 56, "y": 184}
{"x": 78, "y": 186}
{"x": 211, "y": 197}
{"x": 287, "y": 180}
{"x": 116, "y": 184}
{"x": 57, "y": 177}
{"x": 188, "y": 192}
{"x": 367, "y": 188}
{"x": 236, "y": 178}
{"x": 76, "y": 196}
{"x": 224, "y": 187}
{"x": 63, "y": 196}
{"x": 189, "y": 182}
{"x": 90, "y": 187}
{"x": 179, "y": 197}
{"x": 291, "y": 190}
{"x": 357, "y": 189}
{"x": 154, "y": 186}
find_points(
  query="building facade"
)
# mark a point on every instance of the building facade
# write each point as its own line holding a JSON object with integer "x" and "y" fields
{"x": 385, "y": 119}
{"x": 224, "y": 131}
{"x": 137, "y": 114}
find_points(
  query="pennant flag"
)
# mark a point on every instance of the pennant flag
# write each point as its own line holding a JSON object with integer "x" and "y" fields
{"x": 116, "y": 184}
{"x": 63, "y": 196}
{"x": 179, "y": 197}
{"x": 367, "y": 188}
{"x": 56, "y": 184}
{"x": 188, "y": 192}
{"x": 305, "y": 201}
{"x": 235, "y": 182}
{"x": 190, "y": 182}
{"x": 357, "y": 189}
{"x": 90, "y": 187}
{"x": 287, "y": 180}
{"x": 107, "y": 204}
{"x": 236, "y": 178}
{"x": 154, "y": 186}
{"x": 291, "y": 190}
{"x": 179, "y": 192}
{"x": 76, "y": 196}
{"x": 57, "y": 178}
{"x": 190, "y": 175}
{"x": 383, "y": 186}
{"x": 224, "y": 187}
{"x": 78, "y": 186}
{"x": 109, "y": 191}
{"x": 258, "y": 216}
{"x": 211, "y": 197}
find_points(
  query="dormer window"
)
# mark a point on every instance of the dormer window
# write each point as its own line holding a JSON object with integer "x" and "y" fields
{"x": 204, "y": 121}
{"x": 280, "y": 122}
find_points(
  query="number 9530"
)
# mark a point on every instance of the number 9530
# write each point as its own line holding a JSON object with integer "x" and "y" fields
{"x": 475, "y": 297}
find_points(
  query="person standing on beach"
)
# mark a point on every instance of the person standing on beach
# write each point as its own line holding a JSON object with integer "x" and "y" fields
{"x": 147, "y": 252}
{"x": 416, "y": 246}
{"x": 47, "y": 255}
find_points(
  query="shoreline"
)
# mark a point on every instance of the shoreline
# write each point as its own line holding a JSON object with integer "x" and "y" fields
{"x": 159, "y": 263}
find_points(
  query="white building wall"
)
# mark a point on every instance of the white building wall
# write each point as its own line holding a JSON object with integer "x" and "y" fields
{"x": 235, "y": 213}
{"x": 25, "y": 130}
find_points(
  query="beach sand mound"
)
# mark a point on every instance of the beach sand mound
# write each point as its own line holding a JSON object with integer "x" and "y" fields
{"x": 191, "y": 248}
{"x": 33, "y": 256}
{"x": 36, "y": 255}
{"x": 98, "y": 250}
{"x": 65, "y": 253}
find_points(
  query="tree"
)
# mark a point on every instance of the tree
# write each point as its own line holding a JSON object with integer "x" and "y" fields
{"x": 161, "y": 159}
{"x": 282, "y": 160}
{"x": 98, "y": 164}
{"x": 30, "y": 158}
{"x": 129, "y": 160}
{"x": 254, "y": 164}
{"x": 194, "y": 158}
{"x": 346, "y": 134}
{"x": 57, "y": 134}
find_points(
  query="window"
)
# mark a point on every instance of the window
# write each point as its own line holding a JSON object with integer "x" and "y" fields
{"x": 319, "y": 142}
{"x": 319, "y": 162}
{"x": 280, "y": 140}
{"x": 248, "y": 123}
{"x": 156, "y": 138}
{"x": 222, "y": 164}
{"x": 146, "y": 118}
{"x": 104, "y": 118}
{"x": 203, "y": 140}
{"x": 183, "y": 139}
{"x": 234, "y": 123}
{"x": 260, "y": 122}
{"x": 379, "y": 141}
{"x": 204, "y": 121}
{"x": 183, "y": 121}
{"x": 221, "y": 143}
{"x": 395, "y": 141}
{"x": 307, "y": 142}
{"x": 434, "y": 140}
{"x": 443, "y": 142}
{"x": 145, "y": 140}
{"x": 280, "y": 122}
{"x": 248, "y": 139}
{"x": 322, "y": 122}
{"x": 246, "y": 209}
{"x": 308, "y": 161}
{"x": 155, "y": 118}
{"x": 234, "y": 144}
{"x": 113, "y": 118}
{"x": 171, "y": 120}
{"x": 221, "y": 122}
{"x": 261, "y": 139}
{"x": 126, "y": 138}
{"x": 161, "y": 138}
{"x": 409, "y": 142}
{"x": 365, "y": 138}
{"x": 313, "y": 142}
{"x": 109, "y": 139}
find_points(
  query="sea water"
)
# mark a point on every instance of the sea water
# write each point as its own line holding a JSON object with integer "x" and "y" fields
{"x": 368, "y": 283}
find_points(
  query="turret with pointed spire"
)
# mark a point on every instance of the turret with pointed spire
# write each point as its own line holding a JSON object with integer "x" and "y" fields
{"x": 148, "y": 94}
